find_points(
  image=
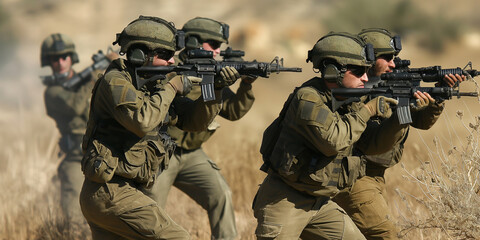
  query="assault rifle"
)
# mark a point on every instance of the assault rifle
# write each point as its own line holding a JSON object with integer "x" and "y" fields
{"x": 435, "y": 74}
{"x": 100, "y": 62}
{"x": 402, "y": 86}
{"x": 200, "y": 63}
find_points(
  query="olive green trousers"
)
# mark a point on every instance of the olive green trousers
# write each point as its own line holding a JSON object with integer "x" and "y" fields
{"x": 71, "y": 179}
{"x": 119, "y": 210}
{"x": 282, "y": 212}
{"x": 194, "y": 173}
{"x": 366, "y": 204}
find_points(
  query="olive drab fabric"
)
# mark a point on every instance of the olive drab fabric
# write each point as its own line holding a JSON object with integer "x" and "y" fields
{"x": 69, "y": 109}
{"x": 206, "y": 29}
{"x": 196, "y": 174}
{"x": 365, "y": 200}
{"x": 123, "y": 128}
{"x": 118, "y": 210}
{"x": 312, "y": 160}
{"x": 125, "y": 121}
{"x": 234, "y": 107}
{"x": 284, "y": 213}
{"x": 57, "y": 44}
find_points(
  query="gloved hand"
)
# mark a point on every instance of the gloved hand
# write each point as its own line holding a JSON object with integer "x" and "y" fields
{"x": 423, "y": 101}
{"x": 183, "y": 84}
{"x": 227, "y": 77}
{"x": 248, "y": 79}
{"x": 380, "y": 106}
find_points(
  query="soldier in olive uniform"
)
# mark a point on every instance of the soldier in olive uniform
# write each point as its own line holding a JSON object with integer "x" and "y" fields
{"x": 311, "y": 146}
{"x": 69, "y": 108}
{"x": 365, "y": 201}
{"x": 125, "y": 146}
{"x": 190, "y": 169}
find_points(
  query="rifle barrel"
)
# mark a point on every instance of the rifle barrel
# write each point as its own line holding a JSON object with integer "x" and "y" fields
{"x": 468, "y": 94}
{"x": 292, "y": 69}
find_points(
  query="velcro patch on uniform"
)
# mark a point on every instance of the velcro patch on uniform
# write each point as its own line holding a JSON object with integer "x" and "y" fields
{"x": 123, "y": 95}
{"x": 306, "y": 111}
{"x": 322, "y": 116}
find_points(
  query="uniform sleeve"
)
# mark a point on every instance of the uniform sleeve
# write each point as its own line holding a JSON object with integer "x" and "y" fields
{"x": 138, "y": 111}
{"x": 236, "y": 105}
{"x": 380, "y": 138}
{"x": 327, "y": 131}
{"x": 425, "y": 118}
{"x": 196, "y": 115}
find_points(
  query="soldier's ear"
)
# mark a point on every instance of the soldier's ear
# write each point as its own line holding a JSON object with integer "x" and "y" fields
{"x": 331, "y": 73}
{"x": 192, "y": 42}
{"x": 137, "y": 57}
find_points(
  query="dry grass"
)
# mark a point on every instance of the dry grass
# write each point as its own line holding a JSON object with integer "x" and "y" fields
{"x": 436, "y": 198}
{"x": 449, "y": 183}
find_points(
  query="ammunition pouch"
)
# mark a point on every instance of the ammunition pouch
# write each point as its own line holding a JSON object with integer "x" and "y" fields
{"x": 99, "y": 163}
{"x": 142, "y": 161}
{"x": 353, "y": 168}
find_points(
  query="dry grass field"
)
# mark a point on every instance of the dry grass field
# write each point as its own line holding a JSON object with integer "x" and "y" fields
{"x": 433, "y": 193}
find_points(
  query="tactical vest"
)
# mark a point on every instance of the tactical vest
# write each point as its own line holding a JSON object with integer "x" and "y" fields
{"x": 301, "y": 165}
{"x": 110, "y": 149}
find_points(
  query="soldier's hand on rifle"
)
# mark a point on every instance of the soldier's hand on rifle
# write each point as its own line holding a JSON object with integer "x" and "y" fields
{"x": 183, "y": 84}
{"x": 228, "y": 76}
{"x": 423, "y": 101}
{"x": 380, "y": 106}
{"x": 248, "y": 79}
{"x": 451, "y": 79}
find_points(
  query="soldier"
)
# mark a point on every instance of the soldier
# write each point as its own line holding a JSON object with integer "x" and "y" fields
{"x": 365, "y": 201}
{"x": 309, "y": 146}
{"x": 123, "y": 148}
{"x": 190, "y": 169}
{"x": 69, "y": 108}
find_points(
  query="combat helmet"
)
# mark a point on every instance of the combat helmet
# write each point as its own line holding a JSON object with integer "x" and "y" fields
{"x": 151, "y": 32}
{"x": 202, "y": 29}
{"x": 335, "y": 51}
{"x": 382, "y": 40}
{"x": 57, "y": 44}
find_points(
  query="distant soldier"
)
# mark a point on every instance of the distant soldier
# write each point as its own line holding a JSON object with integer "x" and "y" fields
{"x": 365, "y": 201}
{"x": 190, "y": 169}
{"x": 307, "y": 150}
{"x": 69, "y": 108}
{"x": 125, "y": 145}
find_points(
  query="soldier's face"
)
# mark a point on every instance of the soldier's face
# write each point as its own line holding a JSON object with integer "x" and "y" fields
{"x": 383, "y": 64}
{"x": 355, "y": 77}
{"x": 213, "y": 46}
{"x": 61, "y": 63}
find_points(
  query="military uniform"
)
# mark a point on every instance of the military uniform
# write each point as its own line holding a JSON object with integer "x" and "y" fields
{"x": 122, "y": 140}
{"x": 365, "y": 201}
{"x": 310, "y": 160}
{"x": 196, "y": 174}
{"x": 69, "y": 108}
